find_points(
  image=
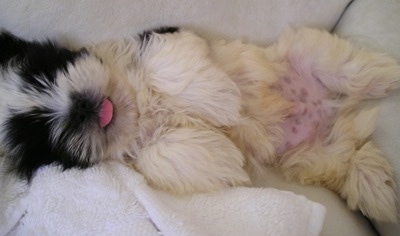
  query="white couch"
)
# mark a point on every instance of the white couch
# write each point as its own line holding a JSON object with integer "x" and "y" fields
{"x": 370, "y": 23}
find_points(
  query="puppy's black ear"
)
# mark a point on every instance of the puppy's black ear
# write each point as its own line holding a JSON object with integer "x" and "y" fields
{"x": 11, "y": 47}
{"x": 146, "y": 35}
{"x": 37, "y": 63}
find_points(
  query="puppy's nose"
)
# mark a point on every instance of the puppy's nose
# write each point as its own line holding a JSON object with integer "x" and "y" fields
{"x": 83, "y": 106}
{"x": 84, "y": 110}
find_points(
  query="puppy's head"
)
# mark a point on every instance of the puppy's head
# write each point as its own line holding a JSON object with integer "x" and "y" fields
{"x": 58, "y": 106}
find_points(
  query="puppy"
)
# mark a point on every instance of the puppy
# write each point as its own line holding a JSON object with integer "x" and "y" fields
{"x": 190, "y": 115}
{"x": 53, "y": 106}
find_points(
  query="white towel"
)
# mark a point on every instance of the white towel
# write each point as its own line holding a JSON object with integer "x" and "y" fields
{"x": 110, "y": 199}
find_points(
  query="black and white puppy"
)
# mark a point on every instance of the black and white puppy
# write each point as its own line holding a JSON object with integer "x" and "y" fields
{"x": 57, "y": 106}
{"x": 138, "y": 97}
{"x": 189, "y": 113}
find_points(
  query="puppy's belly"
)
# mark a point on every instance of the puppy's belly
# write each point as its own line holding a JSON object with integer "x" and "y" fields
{"x": 311, "y": 112}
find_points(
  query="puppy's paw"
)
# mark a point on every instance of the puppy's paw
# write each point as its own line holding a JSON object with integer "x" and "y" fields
{"x": 338, "y": 64}
{"x": 190, "y": 160}
{"x": 377, "y": 77}
{"x": 179, "y": 67}
{"x": 370, "y": 186}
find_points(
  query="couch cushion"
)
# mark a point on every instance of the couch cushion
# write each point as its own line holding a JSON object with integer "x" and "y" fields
{"x": 95, "y": 20}
{"x": 376, "y": 25}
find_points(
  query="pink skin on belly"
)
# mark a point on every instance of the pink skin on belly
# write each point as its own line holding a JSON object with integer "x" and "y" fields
{"x": 310, "y": 111}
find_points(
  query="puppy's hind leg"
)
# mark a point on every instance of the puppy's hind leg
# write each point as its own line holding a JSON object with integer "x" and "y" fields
{"x": 370, "y": 186}
{"x": 337, "y": 64}
{"x": 364, "y": 180}
{"x": 348, "y": 165}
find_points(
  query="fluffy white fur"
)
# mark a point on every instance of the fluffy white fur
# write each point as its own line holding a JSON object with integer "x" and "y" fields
{"x": 206, "y": 110}
{"x": 187, "y": 93}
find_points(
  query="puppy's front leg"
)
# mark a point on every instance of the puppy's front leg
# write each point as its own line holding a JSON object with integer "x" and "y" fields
{"x": 188, "y": 160}
{"x": 179, "y": 67}
{"x": 337, "y": 64}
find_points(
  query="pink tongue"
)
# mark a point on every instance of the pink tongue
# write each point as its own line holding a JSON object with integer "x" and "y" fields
{"x": 106, "y": 113}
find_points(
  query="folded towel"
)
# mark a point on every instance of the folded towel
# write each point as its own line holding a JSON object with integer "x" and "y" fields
{"x": 110, "y": 198}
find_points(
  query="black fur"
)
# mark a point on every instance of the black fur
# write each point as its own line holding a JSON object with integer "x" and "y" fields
{"x": 27, "y": 134}
{"x": 30, "y": 132}
{"x": 11, "y": 48}
{"x": 37, "y": 63}
{"x": 146, "y": 35}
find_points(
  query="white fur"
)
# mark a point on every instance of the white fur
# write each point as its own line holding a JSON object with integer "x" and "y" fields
{"x": 191, "y": 115}
{"x": 188, "y": 105}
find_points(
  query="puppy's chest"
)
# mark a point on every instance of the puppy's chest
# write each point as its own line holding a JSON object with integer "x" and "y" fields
{"x": 312, "y": 112}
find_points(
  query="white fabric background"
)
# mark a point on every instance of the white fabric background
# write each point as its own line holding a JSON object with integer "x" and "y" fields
{"x": 372, "y": 23}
